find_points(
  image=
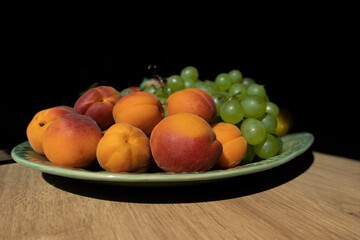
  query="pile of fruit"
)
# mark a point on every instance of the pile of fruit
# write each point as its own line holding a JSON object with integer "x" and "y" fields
{"x": 177, "y": 124}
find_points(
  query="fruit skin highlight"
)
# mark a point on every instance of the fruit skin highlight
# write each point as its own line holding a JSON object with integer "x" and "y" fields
{"x": 192, "y": 100}
{"x": 98, "y": 104}
{"x": 234, "y": 145}
{"x": 184, "y": 142}
{"x": 124, "y": 148}
{"x": 40, "y": 122}
{"x": 139, "y": 109}
{"x": 71, "y": 140}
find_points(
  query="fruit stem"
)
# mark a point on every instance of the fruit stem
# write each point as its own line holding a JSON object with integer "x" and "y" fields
{"x": 232, "y": 96}
{"x": 152, "y": 68}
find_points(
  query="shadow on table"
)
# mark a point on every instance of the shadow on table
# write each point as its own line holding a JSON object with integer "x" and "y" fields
{"x": 212, "y": 191}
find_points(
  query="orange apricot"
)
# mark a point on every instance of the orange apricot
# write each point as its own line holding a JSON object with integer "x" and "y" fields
{"x": 234, "y": 145}
{"x": 192, "y": 100}
{"x": 40, "y": 122}
{"x": 71, "y": 140}
{"x": 184, "y": 142}
{"x": 124, "y": 148}
{"x": 139, "y": 109}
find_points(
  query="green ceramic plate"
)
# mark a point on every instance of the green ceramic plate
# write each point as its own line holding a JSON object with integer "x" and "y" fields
{"x": 293, "y": 146}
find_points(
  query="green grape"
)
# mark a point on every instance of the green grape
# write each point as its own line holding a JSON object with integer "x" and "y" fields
{"x": 167, "y": 91}
{"x": 219, "y": 98}
{"x": 280, "y": 143}
{"x": 238, "y": 90}
{"x": 248, "y": 81}
{"x": 155, "y": 89}
{"x": 151, "y": 89}
{"x": 272, "y": 109}
{"x": 159, "y": 91}
{"x": 224, "y": 93}
{"x": 165, "y": 109}
{"x": 253, "y": 131}
{"x": 189, "y": 83}
{"x": 126, "y": 91}
{"x": 236, "y": 76}
{"x": 267, "y": 98}
{"x": 267, "y": 148}
{"x": 175, "y": 83}
{"x": 231, "y": 112}
{"x": 162, "y": 99}
{"x": 212, "y": 84}
{"x": 249, "y": 155}
{"x": 270, "y": 122}
{"x": 199, "y": 84}
{"x": 190, "y": 72}
{"x": 253, "y": 106}
{"x": 207, "y": 89}
{"x": 256, "y": 89}
{"x": 223, "y": 81}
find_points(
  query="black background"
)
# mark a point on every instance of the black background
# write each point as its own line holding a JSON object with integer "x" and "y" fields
{"x": 309, "y": 71}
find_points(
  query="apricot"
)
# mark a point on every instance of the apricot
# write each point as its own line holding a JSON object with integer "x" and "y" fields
{"x": 234, "y": 145}
{"x": 98, "y": 104}
{"x": 139, "y": 109}
{"x": 40, "y": 122}
{"x": 192, "y": 100}
{"x": 71, "y": 140}
{"x": 124, "y": 148}
{"x": 184, "y": 142}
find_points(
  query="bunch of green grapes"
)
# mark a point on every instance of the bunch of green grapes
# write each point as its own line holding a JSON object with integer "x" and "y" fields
{"x": 239, "y": 101}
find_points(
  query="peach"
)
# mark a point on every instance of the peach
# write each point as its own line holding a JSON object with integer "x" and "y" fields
{"x": 98, "y": 104}
{"x": 192, "y": 100}
{"x": 40, "y": 122}
{"x": 184, "y": 142}
{"x": 234, "y": 145}
{"x": 124, "y": 148}
{"x": 71, "y": 140}
{"x": 140, "y": 109}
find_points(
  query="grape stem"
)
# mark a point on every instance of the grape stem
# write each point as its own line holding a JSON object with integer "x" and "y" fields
{"x": 152, "y": 68}
{"x": 232, "y": 96}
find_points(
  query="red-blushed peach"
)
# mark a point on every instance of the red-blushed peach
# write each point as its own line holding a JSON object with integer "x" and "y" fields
{"x": 124, "y": 148}
{"x": 71, "y": 140}
{"x": 234, "y": 145}
{"x": 40, "y": 122}
{"x": 184, "y": 142}
{"x": 139, "y": 109}
{"x": 192, "y": 100}
{"x": 98, "y": 104}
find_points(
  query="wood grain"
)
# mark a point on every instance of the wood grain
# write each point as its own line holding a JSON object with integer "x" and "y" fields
{"x": 315, "y": 196}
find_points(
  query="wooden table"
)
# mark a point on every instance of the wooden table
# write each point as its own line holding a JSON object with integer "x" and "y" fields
{"x": 314, "y": 196}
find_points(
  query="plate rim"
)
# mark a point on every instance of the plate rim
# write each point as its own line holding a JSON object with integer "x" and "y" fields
{"x": 306, "y": 140}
